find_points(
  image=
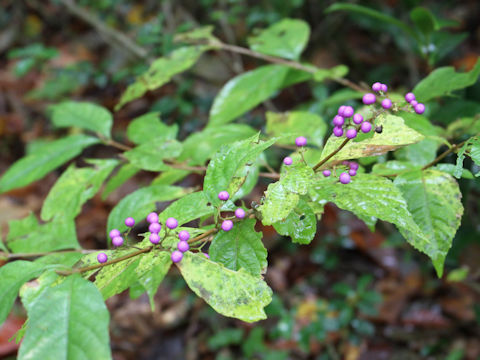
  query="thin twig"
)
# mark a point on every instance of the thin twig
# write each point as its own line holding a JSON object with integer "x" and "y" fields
{"x": 14, "y": 256}
{"x": 332, "y": 154}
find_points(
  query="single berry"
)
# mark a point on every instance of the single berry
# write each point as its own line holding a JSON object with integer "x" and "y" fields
{"x": 171, "y": 223}
{"x": 301, "y": 141}
{"x": 353, "y": 165}
{"x": 348, "y": 111}
{"x": 117, "y": 241}
{"x": 384, "y": 88}
{"x": 351, "y": 133}
{"x": 102, "y": 258}
{"x": 288, "y": 161}
{"x": 184, "y": 235}
{"x": 154, "y": 228}
{"x": 129, "y": 221}
{"x": 154, "y": 238}
{"x": 327, "y": 173}
{"x": 176, "y": 256}
{"x": 223, "y": 195}
{"x": 419, "y": 108}
{"x": 337, "y": 131}
{"x": 357, "y": 119}
{"x": 414, "y": 103}
{"x": 344, "y": 178}
{"x": 369, "y": 99}
{"x": 409, "y": 97}
{"x": 239, "y": 213}
{"x": 377, "y": 86}
{"x": 113, "y": 233}
{"x": 227, "y": 225}
{"x": 352, "y": 172}
{"x": 386, "y": 103}
{"x": 183, "y": 246}
{"x": 341, "y": 109}
{"x": 366, "y": 127}
{"x": 152, "y": 218}
{"x": 206, "y": 255}
{"x": 338, "y": 120}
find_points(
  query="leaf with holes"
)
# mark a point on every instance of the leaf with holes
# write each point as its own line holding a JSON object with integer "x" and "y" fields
{"x": 300, "y": 224}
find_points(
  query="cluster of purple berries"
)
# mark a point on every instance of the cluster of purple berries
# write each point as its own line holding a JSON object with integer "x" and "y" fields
{"x": 342, "y": 124}
{"x": 418, "y": 107}
{"x": 182, "y": 246}
{"x": 227, "y": 225}
{"x": 369, "y": 98}
{"x": 345, "y": 177}
{"x": 300, "y": 141}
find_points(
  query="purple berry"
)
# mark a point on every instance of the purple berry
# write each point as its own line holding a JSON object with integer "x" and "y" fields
{"x": 338, "y": 120}
{"x": 223, "y": 195}
{"x": 409, "y": 97}
{"x": 337, "y": 131}
{"x": 327, "y": 173}
{"x": 288, "y": 161}
{"x": 171, "y": 223}
{"x": 419, "y": 108}
{"x": 348, "y": 111}
{"x": 301, "y": 141}
{"x": 351, "y": 133}
{"x": 353, "y": 166}
{"x": 239, "y": 213}
{"x": 384, "y": 88}
{"x": 102, "y": 258}
{"x": 344, "y": 178}
{"x": 386, "y": 103}
{"x": 114, "y": 233}
{"x": 184, "y": 235}
{"x": 377, "y": 86}
{"x": 117, "y": 241}
{"x": 357, "y": 119}
{"x": 152, "y": 218}
{"x": 414, "y": 103}
{"x": 341, "y": 109}
{"x": 155, "y": 228}
{"x": 227, "y": 225}
{"x": 129, "y": 221}
{"x": 369, "y": 99}
{"x": 183, "y": 246}
{"x": 366, "y": 127}
{"x": 352, "y": 172}
{"x": 154, "y": 238}
{"x": 176, "y": 256}
{"x": 206, "y": 255}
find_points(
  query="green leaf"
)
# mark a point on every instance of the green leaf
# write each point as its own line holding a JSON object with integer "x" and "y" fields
{"x": 300, "y": 224}
{"x": 433, "y": 198}
{"x": 151, "y": 270}
{"x": 369, "y": 195}
{"x": 394, "y": 135}
{"x": 246, "y": 91}
{"x": 423, "y": 20}
{"x": 460, "y": 158}
{"x": 236, "y": 294}
{"x": 282, "y": 196}
{"x": 296, "y": 123}
{"x": 200, "y": 146}
{"x": 149, "y": 156}
{"x": 13, "y": 275}
{"x": 420, "y": 153}
{"x": 188, "y": 208}
{"x": 50, "y": 156}
{"x": 240, "y": 247}
{"x": 392, "y": 167}
{"x": 125, "y": 172}
{"x": 140, "y": 203}
{"x": 27, "y": 235}
{"x": 198, "y": 34}
{"x": 170, "y": 176}
{"x": 286, "y": 38}
{"x": 161, "y": 71}
{"x": 475, "y": 152}
{"x": 83, "y": 115}
{"x": 67, "y": 321}
{"x": 74, "y": 188}
{"x": 228, "y": 162}
{"x": 451, "y": 168}
{"x": 117, "y": 277}
{"x": 443, "y": 81}
{"x": 335, "y": 72}
{"x": 148, "y": 127}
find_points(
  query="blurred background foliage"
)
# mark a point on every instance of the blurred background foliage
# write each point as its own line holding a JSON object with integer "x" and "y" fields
{"x": 352, "y": 294}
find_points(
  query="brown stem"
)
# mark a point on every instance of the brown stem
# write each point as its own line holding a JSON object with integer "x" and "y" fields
{"x": 203, "y": 236}
{"x": 39, "y": 254}
{"x": 115, "y": 144}
{"x": 332, "y": 154}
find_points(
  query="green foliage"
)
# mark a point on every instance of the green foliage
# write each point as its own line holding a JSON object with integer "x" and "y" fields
{"x": 82, "y": 115}
{"x": 125, "y": 172}
{"x": 115, "y": 278}
{"x": 239, "y": 248}
{"x": 148, "y": 128}
{"x": 188, "y": 208}
{"x": 235, "y": 294}
{"x": 151, "y": 270}
{"x": 150, "y": 155}
{"x": 47, "y": 158}
{"x": 300, "y": 224}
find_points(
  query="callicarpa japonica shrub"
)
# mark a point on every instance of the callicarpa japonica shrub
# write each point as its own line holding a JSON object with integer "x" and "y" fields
{"x": 378, "y": 157}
